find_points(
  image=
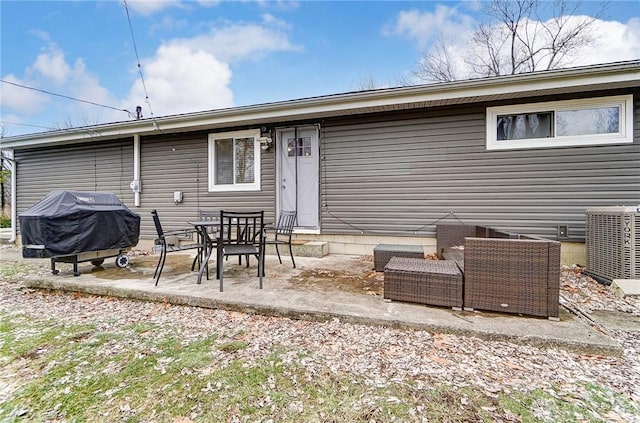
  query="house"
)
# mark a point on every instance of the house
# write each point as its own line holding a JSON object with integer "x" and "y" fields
{"x": 524, "y": 153}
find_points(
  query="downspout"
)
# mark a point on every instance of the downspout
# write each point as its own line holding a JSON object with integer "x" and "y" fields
{"x": 136, "y": 183}
{"x": 14, "y": 202}
{"x": 295, "y": 137}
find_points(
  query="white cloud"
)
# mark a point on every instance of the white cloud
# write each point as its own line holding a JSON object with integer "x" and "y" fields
{"x": 208, "y": 3}
{"x": 271, "y": 20}
{"x": 184, "y": 75}
{"x": 84, "y": 85}
{"x": 149, "y": 7}
{"x": 50, "y": 89}
{"x": 611, "y": 42}
{"x": 20, "y": 100}
{"x": 238, "y": 42}
{"x": 194, "y": 74}
{"x": 51, "y": 64}
{"x": 168, "y": 23}
{"x": 180, "y": 79}
{"x": 614, "y": 41}
{"x": 43, "y": 35}
{"x": 423, "y": 27}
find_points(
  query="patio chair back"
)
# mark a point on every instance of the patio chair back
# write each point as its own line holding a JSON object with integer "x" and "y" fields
{"x": 286, "y": 222}
{"x": 156, "y": 222}
{"x": 170, "y": 241}
{"x": 241, "y": 234}
{"x": 282, "y": 233}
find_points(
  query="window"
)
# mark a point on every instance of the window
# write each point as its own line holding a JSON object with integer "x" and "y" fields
{"x": 606, "y": 120}
{"x": 234, "y": 161}
{"x": 300, "y": 148}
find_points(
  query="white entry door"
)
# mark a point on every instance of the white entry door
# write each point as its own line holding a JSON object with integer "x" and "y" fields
{"x": 299, "y": 174}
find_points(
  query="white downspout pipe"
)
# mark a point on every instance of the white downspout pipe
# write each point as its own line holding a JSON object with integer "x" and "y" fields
{"x": 14, "y": 203}
{"x": 136, "y": 184}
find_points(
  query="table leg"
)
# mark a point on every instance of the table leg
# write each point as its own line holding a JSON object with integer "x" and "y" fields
{"x": 205, "y": 262}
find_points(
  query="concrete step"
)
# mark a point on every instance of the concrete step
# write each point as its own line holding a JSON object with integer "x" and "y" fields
{"x": 302, "y": 249}
{"x": 5, "y": 235}
{"x": 625, "y": 287}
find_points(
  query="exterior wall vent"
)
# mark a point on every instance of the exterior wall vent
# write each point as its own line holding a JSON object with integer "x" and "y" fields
{"x": 613, "y": 242}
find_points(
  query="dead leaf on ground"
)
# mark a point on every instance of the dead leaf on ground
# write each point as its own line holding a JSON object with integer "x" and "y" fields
{"x": 440, "y": 360}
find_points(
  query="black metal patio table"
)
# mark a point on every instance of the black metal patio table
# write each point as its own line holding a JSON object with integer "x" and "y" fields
{"x": 205, "y": 229}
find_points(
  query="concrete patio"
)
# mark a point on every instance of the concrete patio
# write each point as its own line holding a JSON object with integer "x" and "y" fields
{"x": 331, "y": 287}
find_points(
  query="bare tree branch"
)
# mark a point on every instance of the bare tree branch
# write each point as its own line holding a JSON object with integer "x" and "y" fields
{"x": 437, "y": 64}
{"x": 515, "y": 39}
{"x": 563, "y": 36}
{"x": 366, "y": 84}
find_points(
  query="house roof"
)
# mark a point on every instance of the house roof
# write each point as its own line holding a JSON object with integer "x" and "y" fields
{"x": 554, "y": 82}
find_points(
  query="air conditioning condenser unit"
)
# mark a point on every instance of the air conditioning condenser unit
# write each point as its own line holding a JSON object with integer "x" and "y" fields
{"x": 613, "y": 242}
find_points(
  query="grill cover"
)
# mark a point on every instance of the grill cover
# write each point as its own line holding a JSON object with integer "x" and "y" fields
{"x": 73, "y": 222}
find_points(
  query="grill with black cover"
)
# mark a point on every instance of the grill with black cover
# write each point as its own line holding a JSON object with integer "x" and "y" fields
{"x": 79, "y": 226}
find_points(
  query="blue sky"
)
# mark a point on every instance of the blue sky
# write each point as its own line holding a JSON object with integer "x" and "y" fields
{"x": 203, "y": 55}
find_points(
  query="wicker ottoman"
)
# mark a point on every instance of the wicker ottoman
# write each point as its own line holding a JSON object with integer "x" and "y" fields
{"x": 382, "y": 253}
{"x": 433, "y": 282}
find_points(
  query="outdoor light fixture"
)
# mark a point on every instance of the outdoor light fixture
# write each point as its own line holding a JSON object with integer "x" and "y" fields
{"x": 266, "y": 143}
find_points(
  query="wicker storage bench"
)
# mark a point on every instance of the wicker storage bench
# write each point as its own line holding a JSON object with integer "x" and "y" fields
{"x": 382, "y": 253}
{"x": 416, "y": 280}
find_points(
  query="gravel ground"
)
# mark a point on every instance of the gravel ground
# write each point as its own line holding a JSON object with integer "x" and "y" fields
{"x": 380, "y": 355}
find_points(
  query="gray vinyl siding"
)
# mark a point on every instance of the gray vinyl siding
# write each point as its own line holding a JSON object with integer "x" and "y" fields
{"x": 180, "y": 163}
{"x": 104, "y": 166}
{"x": 401, "y": 176}
{"x": 167, "y": 164}
{"x": 384, "y": 174}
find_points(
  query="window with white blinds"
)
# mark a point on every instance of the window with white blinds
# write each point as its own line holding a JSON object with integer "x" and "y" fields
{"x": 234, "y": 161}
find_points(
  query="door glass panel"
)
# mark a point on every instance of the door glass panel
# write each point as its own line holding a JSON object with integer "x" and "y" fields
{"x": 291, "y": 147}
{"x": 305, "y": 146}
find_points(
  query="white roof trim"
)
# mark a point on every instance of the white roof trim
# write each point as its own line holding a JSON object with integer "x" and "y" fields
{"x": 566, "y": 80}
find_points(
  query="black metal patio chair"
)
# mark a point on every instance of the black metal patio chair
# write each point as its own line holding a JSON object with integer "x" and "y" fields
{"x": 210, "y": 216}
{"x": 241, "y": 234}
{"x": 172, "y": 241}
{"x": 282, "y": 233}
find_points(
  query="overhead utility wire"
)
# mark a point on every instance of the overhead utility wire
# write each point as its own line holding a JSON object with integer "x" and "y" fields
{"x": 135, "y": 49}
{"x": 5, "y": 122}
{"x": 66, "y": 96}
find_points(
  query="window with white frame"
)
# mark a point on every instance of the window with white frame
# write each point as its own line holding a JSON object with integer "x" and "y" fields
{"x": 234, "y": 161}
{"x": 605, "y": 120}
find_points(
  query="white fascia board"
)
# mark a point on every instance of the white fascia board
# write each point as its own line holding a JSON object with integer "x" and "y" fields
{"x": 590, "y": 77}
